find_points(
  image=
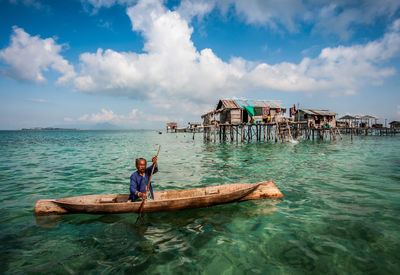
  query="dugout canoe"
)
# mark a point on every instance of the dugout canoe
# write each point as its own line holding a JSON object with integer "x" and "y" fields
{"x": 163, "y": 200}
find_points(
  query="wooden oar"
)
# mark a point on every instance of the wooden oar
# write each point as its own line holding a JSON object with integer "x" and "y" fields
{"x": 147, "y": 187}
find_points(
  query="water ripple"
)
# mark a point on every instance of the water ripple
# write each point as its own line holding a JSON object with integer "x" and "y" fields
{"x": 340, "y": 213}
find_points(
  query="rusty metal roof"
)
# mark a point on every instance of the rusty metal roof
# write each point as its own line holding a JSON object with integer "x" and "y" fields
{"x": 229, "y": 104}
{"x": 239, "y": 103}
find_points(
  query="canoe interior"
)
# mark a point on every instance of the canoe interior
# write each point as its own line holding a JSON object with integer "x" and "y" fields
{"x": 265, "y": 190}
{"x": 161, "y": 195}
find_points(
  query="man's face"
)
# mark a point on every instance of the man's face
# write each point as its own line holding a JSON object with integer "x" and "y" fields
{"x": 141, "y": 166}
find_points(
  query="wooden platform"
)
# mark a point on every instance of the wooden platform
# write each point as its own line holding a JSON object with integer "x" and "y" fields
{"x": 266, "y": 190}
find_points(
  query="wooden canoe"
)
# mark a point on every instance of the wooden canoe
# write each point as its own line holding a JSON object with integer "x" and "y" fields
{"x": 163, "y": 200}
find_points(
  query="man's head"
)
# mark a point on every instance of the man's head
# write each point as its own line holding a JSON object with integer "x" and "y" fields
{"x": 141, "y": 165}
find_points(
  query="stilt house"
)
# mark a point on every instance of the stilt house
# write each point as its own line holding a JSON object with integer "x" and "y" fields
{"x": 171, "y": 126}
{"x": 237, "y": 111}
{"x": 359, "y": 121}
{"x": 316, "y": 118}
{"x": 194, "y": 126}
{"x": 395, "y": 124}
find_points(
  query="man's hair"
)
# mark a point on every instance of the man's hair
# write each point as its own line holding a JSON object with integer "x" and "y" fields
{"x": 139, "y": 159}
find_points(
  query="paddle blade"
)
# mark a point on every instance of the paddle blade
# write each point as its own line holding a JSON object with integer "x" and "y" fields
{"x": 141, "y": 208}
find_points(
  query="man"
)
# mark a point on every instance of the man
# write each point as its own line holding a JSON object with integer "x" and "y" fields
{"x": 140, "y": 178}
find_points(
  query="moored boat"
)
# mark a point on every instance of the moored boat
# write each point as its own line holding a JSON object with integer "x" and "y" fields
{"x": 163, "y": 200}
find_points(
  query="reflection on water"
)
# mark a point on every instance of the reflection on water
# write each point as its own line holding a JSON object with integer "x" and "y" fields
{"x": 340, "y": 213}
{"x": 178, "y": 218}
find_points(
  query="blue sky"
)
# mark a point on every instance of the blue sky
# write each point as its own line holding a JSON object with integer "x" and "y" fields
{"x": 139, "y": 64}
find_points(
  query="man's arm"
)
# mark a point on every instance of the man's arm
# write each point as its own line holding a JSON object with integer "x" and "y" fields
{"x": 150, "y": 168}
{"x": 134, "y": 189}
{"x": 133, "y": 186}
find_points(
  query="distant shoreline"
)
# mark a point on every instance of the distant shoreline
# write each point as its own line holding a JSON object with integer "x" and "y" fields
{"x": 54, "y": 129}
{"x": 50, "y": 129}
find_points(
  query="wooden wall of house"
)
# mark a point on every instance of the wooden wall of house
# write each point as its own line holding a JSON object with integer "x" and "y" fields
{"x": 235, "y": 116}
{"x": 275, "y": 116}
{"x": 206, "y": 119}
{"x": 333, "y": 122}
{"x": 301, "y": 116}
{"x": 224, "y": 116}
{"x": 311, "y": 119}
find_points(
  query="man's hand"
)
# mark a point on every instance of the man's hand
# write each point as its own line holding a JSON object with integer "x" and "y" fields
{"x": 154, "y": 159}
{"x": 142, "y": 195}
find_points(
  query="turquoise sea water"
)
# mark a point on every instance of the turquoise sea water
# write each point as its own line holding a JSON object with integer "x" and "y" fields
{"x": 340, "y": 212}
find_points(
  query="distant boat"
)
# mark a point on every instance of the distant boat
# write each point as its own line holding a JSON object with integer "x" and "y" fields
{"x": 160, "y": 132}
{"x": 163, "y": 200}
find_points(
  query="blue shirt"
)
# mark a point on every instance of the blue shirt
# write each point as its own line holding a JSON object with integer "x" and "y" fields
{"x": 138, "y": 183}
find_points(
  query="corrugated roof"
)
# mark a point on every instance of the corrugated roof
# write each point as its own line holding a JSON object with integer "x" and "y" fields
{"x": 349, "y": 117}
{"x": 318, "y": 112}
{"x": 229, "y": 104}
{"x": 358, "y": 117}
{"x": 239, "y": 103}
{"x": 368, "y": 117}
{"x": 276, "y": 104}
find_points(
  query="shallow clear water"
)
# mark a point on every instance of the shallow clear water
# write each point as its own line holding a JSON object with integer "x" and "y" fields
{"x": 340, "y": 212}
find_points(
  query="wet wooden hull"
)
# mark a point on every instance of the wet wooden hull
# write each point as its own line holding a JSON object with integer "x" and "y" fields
{"x": 164, "y": 201}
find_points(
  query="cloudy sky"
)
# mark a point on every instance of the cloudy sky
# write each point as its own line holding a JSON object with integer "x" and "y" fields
{"x": 138, "y": 64}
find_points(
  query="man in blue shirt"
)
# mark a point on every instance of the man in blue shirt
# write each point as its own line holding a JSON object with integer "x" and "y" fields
{"x": 140, "y": 178}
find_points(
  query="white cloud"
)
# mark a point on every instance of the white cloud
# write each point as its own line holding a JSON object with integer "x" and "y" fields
{"x": 335, "y": 16}
{"x": 93, "y": 6}
{"x": 171, "y": 66}
{"x": 340, "y": 16}
{"x": 37, "y": 100}
{"x": 335, "y": 69}
{"x": 132, "y": 118}
{"x": 101, "y": 3}
{"x": 272, "y": 13}
{"x": 189, "y": 9}
{"x": 103, "y": 116}
{"x": 29, "y": 3}
{"x": 29, "y": 56}
{"x": 172, "y": 73}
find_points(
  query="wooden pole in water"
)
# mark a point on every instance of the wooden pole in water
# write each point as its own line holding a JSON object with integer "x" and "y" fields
{"x": 237, "y": 133}
{"x": 257, "y": 132}
{"x": 288, "y": 127}
{"x": 340, "y": 135}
